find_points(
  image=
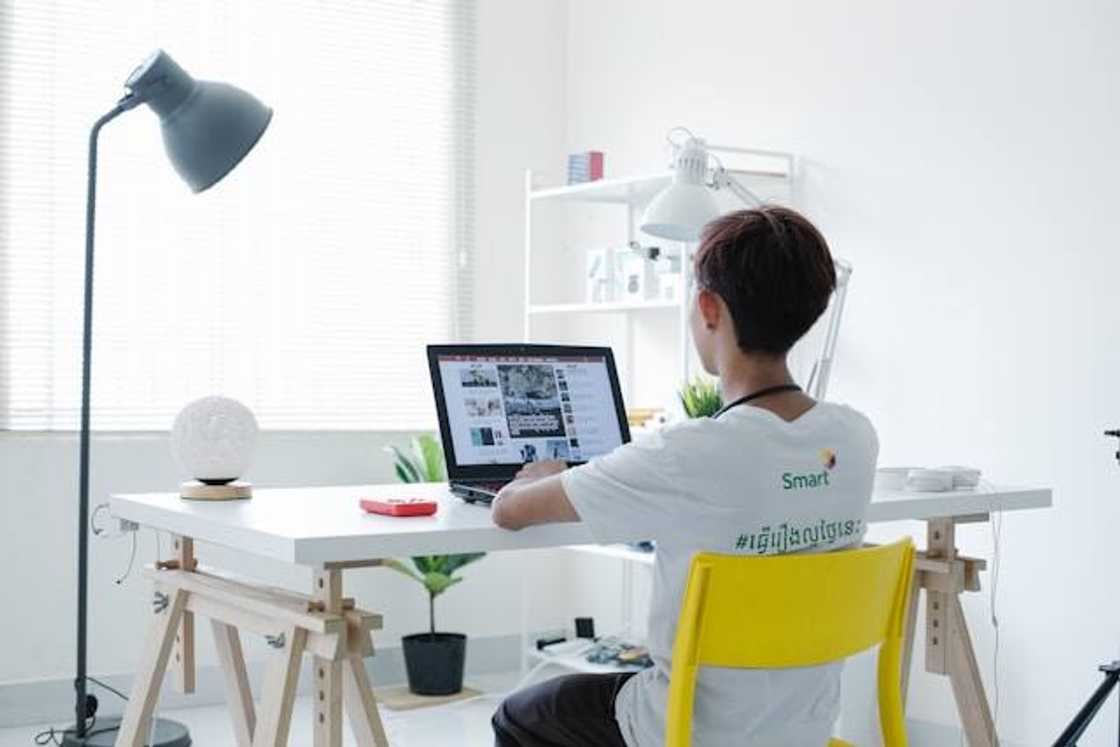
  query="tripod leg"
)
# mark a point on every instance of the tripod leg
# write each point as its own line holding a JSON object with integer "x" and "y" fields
{"x": 1084, "y": 717}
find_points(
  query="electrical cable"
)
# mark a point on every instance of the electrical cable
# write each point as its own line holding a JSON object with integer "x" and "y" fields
{"x": 103, "y": 533}
{"x": 131, "y": 560}
{"x": 54, "y": 736}
{"x": 110, "y": 688}
{"x": 675, "y": 130}
{"x": 996, "y": 524}
{"x": 997, "y": 530}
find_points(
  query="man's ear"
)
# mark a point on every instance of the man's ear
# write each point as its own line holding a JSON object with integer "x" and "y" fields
{"x": 709, "y": 305}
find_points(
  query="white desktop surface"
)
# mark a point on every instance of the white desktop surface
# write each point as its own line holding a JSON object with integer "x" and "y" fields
{"x": 311, "y": 526}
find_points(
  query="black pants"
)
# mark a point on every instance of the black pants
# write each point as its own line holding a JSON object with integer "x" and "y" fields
{"x": 572, "y": 711}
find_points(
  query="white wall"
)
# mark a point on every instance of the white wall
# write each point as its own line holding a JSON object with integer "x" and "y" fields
{"x": 963, "y": 155}
{"x": 520, "y": 123}
{"x": 521, "y": 126}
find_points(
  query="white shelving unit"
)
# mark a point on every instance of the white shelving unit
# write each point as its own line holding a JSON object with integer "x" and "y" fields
{"x": 630, "y": 195}
{"x": 600, "y": 308}
{"x": 622, "y": 552}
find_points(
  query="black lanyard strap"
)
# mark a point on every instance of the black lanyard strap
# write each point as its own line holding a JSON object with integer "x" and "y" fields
{"x": 758, "y": 395}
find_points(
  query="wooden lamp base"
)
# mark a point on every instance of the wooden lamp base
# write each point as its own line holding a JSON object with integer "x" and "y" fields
{"x": 230, "y": 491}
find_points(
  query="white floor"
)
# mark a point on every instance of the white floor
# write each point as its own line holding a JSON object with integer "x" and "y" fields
{"x": 465, "y": 724}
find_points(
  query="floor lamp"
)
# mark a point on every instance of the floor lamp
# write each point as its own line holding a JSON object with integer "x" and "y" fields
{"x": 207, "y": 129}
{"x": 680, "y": 211}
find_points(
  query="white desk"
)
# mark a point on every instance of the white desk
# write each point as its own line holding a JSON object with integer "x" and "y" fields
{"x": 324, "y": 528}
{"x": 316, "y": 526}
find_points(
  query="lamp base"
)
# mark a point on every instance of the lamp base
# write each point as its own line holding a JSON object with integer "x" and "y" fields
{"x": 104, "y": 734}
{"x": 230, "y": 491}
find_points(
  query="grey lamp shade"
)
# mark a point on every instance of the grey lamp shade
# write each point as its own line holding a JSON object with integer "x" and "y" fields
{"x": 207, "y": 127}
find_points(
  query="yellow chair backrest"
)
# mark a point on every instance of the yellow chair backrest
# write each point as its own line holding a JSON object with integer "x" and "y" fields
{"x": 792, "y": 611}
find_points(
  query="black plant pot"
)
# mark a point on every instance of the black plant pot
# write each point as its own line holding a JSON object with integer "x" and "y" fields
{"x": 435, "y": 662}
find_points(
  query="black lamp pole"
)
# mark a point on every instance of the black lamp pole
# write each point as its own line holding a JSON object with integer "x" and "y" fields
{"x": 82, "y": 709}
{"x": 207, "y": 129}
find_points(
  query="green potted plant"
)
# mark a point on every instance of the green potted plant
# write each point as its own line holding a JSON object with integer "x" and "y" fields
{"x": 434, "y": 661}
{"x": 700, "y": 398}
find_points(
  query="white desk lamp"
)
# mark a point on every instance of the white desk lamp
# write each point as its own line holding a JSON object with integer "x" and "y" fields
{"x": 680, "y": 211}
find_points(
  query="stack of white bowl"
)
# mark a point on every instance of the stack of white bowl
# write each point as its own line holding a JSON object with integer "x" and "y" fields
{"x": 923, "y": 480}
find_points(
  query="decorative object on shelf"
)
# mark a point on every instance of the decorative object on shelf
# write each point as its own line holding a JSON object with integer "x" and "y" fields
{"x": 701, "y": 398}
{"x": 585, "y": 167}
{"x": 213, "y": 440}
{"x": 670, "y": 278}
{"x": 434, "y": 661}
{"x": 207, "y": 128}
{"x": 600, "y": 275}
{"x": 636, "y": 276}
{"x": 614, "y": 651}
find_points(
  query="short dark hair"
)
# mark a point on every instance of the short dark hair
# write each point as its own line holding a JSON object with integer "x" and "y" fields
{"x": 773, "y": 269}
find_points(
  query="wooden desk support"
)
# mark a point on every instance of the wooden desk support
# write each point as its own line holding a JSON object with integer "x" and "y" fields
{"x": 323, "y": 624}
{"x": 275, "y": 525}
{"x": 944, "y": 574}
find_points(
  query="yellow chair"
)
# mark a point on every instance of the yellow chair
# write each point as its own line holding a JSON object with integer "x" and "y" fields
{"x": 793, "y": 611}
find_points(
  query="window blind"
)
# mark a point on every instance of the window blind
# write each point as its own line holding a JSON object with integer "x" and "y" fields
{"x": 307, "y": 282}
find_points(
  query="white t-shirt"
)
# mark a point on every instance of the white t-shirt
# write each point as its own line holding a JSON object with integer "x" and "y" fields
{"x": 745, "y": 483}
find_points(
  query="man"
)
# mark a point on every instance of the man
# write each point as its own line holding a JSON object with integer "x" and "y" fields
{"x": 774, "y": 472}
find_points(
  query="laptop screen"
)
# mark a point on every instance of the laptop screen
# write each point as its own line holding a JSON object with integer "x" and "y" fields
{"x": 528, "y": 404}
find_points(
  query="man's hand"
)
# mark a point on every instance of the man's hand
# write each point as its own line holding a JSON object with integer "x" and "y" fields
{"x": 535, "y": 497}
{"x": 537, "y": 470}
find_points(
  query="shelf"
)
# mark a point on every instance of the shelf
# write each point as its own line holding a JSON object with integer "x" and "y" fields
{"x": 639, "y": 190}
{"x": 601, "y": 308}
{"x": 577, "y": 663}
{"x": 633, "y": 190}
{"x": 622, "y": 552}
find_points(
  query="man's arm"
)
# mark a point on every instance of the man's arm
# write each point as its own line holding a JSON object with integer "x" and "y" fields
{"x": 536, "y": 497}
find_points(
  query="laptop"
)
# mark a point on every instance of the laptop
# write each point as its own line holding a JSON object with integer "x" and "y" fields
{"x": 502, "y": 406}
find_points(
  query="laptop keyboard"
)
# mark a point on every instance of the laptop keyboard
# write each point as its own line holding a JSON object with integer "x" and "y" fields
{"x": 484, "y": 492}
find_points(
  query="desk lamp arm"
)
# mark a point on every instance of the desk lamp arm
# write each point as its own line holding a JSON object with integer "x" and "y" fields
{"x": 817, "y": 385}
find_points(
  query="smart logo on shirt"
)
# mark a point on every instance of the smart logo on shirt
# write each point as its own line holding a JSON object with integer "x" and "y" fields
{"x": 811, "y": 480}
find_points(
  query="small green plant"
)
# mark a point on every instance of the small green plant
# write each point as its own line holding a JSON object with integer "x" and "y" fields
{"x": 700, "y": 398}
{"x": 436, "y": 573}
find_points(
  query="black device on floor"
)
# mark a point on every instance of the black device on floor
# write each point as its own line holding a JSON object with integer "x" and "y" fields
{"x": 503, "y": 406}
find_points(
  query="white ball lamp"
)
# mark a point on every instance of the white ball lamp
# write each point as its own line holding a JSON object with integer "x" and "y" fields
{"x": 213, "y": 440}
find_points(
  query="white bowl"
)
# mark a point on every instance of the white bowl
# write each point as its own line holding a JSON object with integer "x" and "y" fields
{"x": 929, "y": 480}
{"x": 963, "y": 477}
{"x": 892, "y": 478}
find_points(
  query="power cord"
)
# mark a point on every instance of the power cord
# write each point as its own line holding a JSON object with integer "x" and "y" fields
{"x": 997, "y": 531}
{"x": 53, "y": 736}
{"x": 996, "y": 524}
{"x": 104, "y": 533}
{"x": 110, "y": 688}
{"x": 131, "y": 561}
